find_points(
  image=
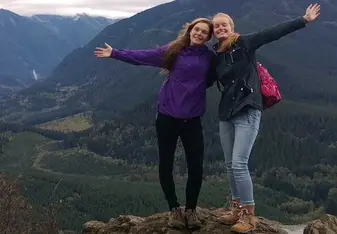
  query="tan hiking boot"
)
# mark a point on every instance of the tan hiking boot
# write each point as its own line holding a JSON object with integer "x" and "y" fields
{"x": 233, "y": 215}
{"x": 176, "y": 219}
{"x": 246, "y": 222}
{"x": 192, "y": 219}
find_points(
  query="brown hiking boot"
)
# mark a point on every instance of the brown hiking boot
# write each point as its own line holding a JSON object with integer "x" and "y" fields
{"x": 246, "y": 222}
{"x": 192, "y": 219}
{"x": 176, "y": 219}
{"x": 233, "y": 215}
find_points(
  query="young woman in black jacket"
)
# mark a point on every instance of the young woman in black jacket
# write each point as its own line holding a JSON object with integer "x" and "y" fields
{"x": 241, "y": 105}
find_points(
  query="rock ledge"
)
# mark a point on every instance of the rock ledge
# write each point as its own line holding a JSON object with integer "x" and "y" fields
{"x": 157, "y": 224}
{"x": 325, "y": 225}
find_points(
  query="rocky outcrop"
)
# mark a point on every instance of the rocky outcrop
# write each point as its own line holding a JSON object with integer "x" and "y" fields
{"x": 157, "y": 224}
{"x": 324, "y": 225}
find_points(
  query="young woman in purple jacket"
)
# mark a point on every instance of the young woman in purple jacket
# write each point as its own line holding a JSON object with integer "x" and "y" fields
{"x": 181, "y": 103}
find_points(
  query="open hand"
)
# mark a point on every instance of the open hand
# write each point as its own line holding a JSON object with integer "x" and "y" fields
{"x": 312, "y": 12}
{"x": 103, "y": 52}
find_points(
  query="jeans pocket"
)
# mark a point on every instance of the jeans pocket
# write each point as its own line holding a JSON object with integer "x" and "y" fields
{"x": 254, "y": 117}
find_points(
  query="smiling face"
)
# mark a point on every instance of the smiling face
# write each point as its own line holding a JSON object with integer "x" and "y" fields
{"x": 222, "y": 27}
{"x": 199, "y": 34}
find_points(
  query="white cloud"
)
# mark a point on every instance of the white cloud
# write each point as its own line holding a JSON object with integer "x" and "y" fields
{"x": 107, "y": 8}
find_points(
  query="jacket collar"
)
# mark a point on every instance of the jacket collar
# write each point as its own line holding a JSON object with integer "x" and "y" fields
{"x": 216, "y": 46}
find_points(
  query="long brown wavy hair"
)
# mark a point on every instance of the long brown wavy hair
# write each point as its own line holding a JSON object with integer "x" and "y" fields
{"x": 183, "y": 40}
{"x": 233, "y": 37}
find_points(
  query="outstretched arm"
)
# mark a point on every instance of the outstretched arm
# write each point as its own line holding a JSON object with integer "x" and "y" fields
{"x": 140, "y": 57}
{"x": 256, "y": 40}
{"x": 136, "y": 57}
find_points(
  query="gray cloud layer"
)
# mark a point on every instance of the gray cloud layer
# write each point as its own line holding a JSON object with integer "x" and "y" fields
{"x": 108, "y": 8}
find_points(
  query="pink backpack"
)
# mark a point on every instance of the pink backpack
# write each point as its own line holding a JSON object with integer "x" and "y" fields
{"x": 269, "y": 88}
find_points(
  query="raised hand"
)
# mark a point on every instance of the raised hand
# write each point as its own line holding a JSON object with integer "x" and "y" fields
{"x": 103, "y": 52}
{"x": 312, "y": 12}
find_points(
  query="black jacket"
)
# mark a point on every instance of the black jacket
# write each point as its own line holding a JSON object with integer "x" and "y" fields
{"x": 236, "y": 69}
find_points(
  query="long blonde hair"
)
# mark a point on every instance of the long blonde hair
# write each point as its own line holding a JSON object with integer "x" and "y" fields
{"x": 183, "y": 40}
{"x": 233, "y": 37}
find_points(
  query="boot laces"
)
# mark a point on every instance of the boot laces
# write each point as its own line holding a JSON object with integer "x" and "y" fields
{"x": 242, "y": 214}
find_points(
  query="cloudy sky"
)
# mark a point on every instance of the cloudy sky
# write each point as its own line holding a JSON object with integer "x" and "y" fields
{"x": 107, "y": 8}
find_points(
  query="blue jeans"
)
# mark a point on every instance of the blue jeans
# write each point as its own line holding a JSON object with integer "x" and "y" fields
{"x": 237, "y": 136}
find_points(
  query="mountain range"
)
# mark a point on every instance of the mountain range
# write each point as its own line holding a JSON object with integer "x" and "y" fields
{"x": 31, "y": 47}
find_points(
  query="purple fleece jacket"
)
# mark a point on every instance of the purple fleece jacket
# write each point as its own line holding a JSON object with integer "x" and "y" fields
{"x": 183, "y": 93}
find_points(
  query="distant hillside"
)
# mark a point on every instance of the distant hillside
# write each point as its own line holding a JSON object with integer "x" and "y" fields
{"x": 10, "y": 84}
{"x": 32, "y": 46}
{"x": 77, "y": 30}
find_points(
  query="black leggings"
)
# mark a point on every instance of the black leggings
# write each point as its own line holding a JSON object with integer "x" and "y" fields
{"x": 191, "y": 134}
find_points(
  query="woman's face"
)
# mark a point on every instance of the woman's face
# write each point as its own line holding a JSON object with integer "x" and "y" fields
{"x": 221, "y": 27}
{"x": 199, "y": 34}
